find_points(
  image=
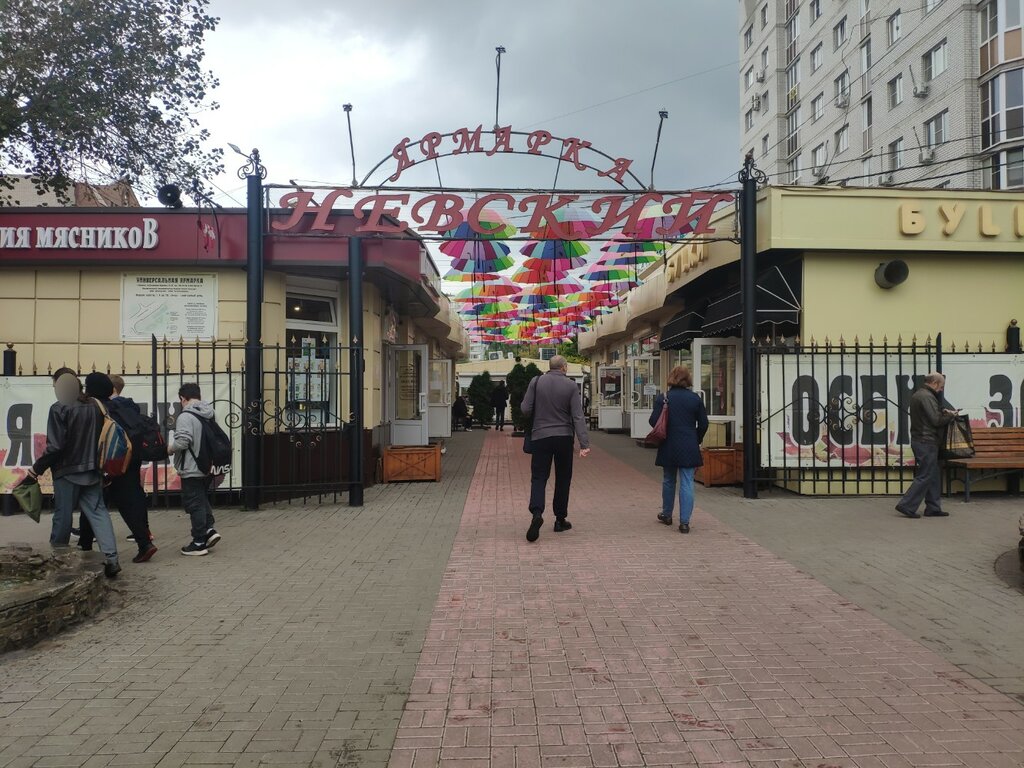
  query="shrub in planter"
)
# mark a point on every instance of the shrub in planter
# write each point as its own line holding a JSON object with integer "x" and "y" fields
{"x": 479, "y": 396}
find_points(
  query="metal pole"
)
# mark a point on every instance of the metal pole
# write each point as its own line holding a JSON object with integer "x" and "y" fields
{"x": 749, "y": 177}
{"x": 355, "y": 391}
{"x": 254, "y": 173}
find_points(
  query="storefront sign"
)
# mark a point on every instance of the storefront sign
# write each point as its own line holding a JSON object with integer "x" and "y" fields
{"x": 852, "y": 409}
{"x": 145, "y": 236}
{"x": 25, "y": 405}
{"x": 685, "y": 258}
{"x": 985, "y": 219}
{"x": 181, "y": 306}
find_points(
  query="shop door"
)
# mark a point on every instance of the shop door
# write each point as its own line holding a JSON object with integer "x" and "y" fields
{"x": 718, "y": 379}
{"x": 439, "y": 399}
{"x": 407, "y": 377}
{"x": 644, "y": 374}
{"x": 609, "y": 398}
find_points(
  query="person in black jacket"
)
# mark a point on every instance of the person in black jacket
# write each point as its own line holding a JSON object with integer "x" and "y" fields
{"x": 929, "y": 417}
{"x": 679, "y": 455}
{"x": 72, "y": 456}
{"x": 124, "y": 492}
{"x": 499, "y": 401}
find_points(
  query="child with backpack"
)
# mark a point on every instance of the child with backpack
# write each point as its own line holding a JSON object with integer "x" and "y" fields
{"x": 197, "y": 458}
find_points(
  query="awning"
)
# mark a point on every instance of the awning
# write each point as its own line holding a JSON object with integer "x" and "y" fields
{"x": 776, "y": 300}
{"x": 682, "y": 329}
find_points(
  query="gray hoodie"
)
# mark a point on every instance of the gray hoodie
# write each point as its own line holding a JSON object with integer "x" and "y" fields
{"x": 188, "y": 433}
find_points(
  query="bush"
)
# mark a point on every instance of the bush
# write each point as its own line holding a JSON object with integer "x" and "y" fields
{"x": 479, "y": 396}
{"x": 518, "y": 381}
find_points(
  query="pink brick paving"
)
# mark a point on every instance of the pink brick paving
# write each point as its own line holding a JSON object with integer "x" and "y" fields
{"x": 625, "y": 643}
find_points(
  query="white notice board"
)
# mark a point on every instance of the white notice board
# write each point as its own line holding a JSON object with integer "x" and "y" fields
{"x": 182, "y": 306}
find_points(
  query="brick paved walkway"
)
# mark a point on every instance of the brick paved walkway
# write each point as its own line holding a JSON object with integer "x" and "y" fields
{"x": 623, "y": 642}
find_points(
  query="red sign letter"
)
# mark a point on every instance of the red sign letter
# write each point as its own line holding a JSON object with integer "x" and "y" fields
{"x": 298, "y": 202}
{"x": 429, "y": 145}
{"x": 475, "y": 211}
{"x": 618, "y": 170}
{"x": 466, "y": 141}
{"x": 632, "y": 214}
{"x": 502, "y": 141}
{"x": 401, "y": 154}
{"x": 373, "y": 221}
{"x": 444, "y": 206}
{"x": 536, "y": 140}
{"x": 572, "y": 152}
{"x": 543, "y": 225}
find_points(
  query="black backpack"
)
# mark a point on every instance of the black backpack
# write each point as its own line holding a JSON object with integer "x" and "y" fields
{"x": 214, "y": 455}
{"x": 147, "y": 439}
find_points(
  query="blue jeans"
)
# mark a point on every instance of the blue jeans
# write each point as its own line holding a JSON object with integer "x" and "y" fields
{"x": 668, "y": 492}
{"x": 89, "y": 498}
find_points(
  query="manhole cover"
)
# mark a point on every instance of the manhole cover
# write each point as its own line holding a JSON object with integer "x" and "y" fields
{"x": 1008, "y": 569}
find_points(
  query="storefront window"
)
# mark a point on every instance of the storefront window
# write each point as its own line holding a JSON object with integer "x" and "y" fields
{"x": 718, "y": 379}
{"x": 312, "y": 362}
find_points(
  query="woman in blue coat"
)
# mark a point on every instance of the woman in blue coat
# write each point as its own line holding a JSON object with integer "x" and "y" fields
{"x": 679, "y": 456}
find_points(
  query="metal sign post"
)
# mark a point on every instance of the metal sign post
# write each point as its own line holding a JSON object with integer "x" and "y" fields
{"x": 749, "y": 177}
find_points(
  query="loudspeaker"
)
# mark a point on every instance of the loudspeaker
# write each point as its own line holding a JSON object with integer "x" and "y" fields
{"x": 891, "y": 273}
{"x": 169, "y": 195}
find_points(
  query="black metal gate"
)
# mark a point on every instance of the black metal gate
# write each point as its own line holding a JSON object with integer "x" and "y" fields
{"x": 303, "y": 435}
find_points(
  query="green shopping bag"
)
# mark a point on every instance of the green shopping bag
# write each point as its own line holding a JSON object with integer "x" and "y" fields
{"x": 29, "y": 497}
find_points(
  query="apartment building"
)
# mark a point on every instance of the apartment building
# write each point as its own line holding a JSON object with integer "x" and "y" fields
{"x": 925, "y": 93}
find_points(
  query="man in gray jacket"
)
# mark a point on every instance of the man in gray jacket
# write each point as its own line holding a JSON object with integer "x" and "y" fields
{"x": 553, "y": 400}
{"x": 195, "y": 485}
{"x": 928, "y": 420}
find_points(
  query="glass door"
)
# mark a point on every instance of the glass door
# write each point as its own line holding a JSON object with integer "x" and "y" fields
{"x": 645, "y": 385}
{"x": 609, "y": 398}
{"x": 407, "y": 374}
{"x": 718, "y": 379}
{"x": 439, "y": 399}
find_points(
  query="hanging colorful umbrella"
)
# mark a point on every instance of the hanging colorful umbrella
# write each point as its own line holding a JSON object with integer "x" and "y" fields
{"x": 561, "y": 266}
{"x": 455, "y": 276}
{"x": 574, "y": 223}
{"x": 474, "y": 250}
{"x": 563, "y": 287}
{"x": 557, "y": 250}
{"x": 537, "y": 276}
{"x": 490, "y": 290}
{"x": 599, "y": 271}
{"x": 613, "y": 286}
{"x": 654, "y": 218}
{"x": 540, "y": 301}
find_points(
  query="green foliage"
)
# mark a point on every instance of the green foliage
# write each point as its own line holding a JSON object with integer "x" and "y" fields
{"x": 532, "y": 370}
{"x": 570, "y": 351}
{"x": 479, "y": 396}
{"x": 517, "y": 381}
{"x": 104, "y": 90}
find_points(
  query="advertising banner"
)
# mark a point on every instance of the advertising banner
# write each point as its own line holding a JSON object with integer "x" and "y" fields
{"x": 25, "y": 406}
{"x": 839, "y": 409}
{"x": 180, "y": 306}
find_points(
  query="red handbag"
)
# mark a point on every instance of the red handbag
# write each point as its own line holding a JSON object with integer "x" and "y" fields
{"x": 658, "y": 435}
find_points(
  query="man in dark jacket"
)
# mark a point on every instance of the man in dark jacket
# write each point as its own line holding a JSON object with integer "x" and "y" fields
{"x": 72, "y": 455}
{"x": 499, "y": 401}
{"x": 928, "y": 420}
{"x": 553, "y": 401}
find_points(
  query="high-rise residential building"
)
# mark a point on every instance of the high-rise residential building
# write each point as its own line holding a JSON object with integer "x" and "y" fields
{"x": 923, "y": 93}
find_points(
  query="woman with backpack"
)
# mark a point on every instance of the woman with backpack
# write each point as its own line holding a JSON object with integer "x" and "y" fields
{"x": 72, "y": 456}
{"x": 124, "y": 491}
{"x": 679, "y": 454}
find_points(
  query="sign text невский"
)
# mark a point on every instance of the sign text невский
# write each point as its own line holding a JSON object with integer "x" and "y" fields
{"x": 85, "y": 238}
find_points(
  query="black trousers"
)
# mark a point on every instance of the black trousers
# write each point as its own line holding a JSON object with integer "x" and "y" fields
{"x": 547, "y": 451}
{"x": 126, "y": 494}
{"x": 499, "y": 418}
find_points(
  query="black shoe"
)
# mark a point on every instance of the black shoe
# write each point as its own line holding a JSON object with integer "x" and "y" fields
{"x": 130, "y": 537}
{"x": 561, "y": 524}
{"x": 936, "y": 513}
{"x": 665, "y": 520}
{"x": 684, "y": 527}
{"x": 905, "y": 512}
{"x": 76, "y": 532}
{"x": 534, "y": 532}
{"x": 194, "y": 549}
{"x": 111, "y": 569}
{"x": 212, "y": 537}
{"x": 145, "y": 555}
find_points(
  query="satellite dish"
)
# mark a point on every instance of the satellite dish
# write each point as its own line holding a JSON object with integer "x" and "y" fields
{"x": 170, "y": 195}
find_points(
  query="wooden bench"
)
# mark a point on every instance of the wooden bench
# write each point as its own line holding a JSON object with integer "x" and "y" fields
{"x": 997, "y": 451}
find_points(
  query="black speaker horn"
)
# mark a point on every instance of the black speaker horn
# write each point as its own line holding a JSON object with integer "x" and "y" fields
{"x": 169, "y": 195}
{"x": 891, "y": 273}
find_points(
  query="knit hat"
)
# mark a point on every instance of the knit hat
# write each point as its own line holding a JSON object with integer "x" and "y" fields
{"x": 98, "y": 385}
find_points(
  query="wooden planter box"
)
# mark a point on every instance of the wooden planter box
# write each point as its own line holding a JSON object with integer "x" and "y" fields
{"x": 412, "y": 462}
{"x": 722, "y": 466}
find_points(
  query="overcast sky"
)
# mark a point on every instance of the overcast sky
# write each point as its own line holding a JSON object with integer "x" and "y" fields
{"x": 597, "y": 70}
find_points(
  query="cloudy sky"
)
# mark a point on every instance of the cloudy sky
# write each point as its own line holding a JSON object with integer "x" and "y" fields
{"x": 596, "y": 70}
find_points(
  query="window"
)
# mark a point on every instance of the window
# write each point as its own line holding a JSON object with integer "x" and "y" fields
{"x": 764, "y": 102}
{"x": 764, "y": 15}
{"x": 839, "y": 33}
{"x": 929, "y": 5}
{"x": 748, "y": 78}
{"x": 792, "y": 132}
{"x": 989, "y": 22}
{"x": 793, "y": 170}
{"x": 818, "y": 106}
{"x": 312, "y": 341}
{"x": 894, "y": 28}
{"x": 865, "y": 56}
{"x": 819, "y": 156}
{"x": 865, "y": 171}
{"x": 866, "y": 119}
{"x": 1006, "y": 169}
{"x": 748, "y": 37}
{"x": 1002, "y": 108}
{"x": 748, "y": 119}
{"x": 816, "y": 58}
{"x": 842, "y": 138}
{"x": 815, "y": 9}
{"x": 764, "y": 60}
{"x": 896, "y": 154}
{"x": 793, "y": 84}
{"x": 865, "y": 8}
{"x": 936, "y": 130}
{"x": 842, "y": 87}
{"x": 765, "y": 145}
{"x": 792, "y": 35}
{"x": 934, "y": 62}
{"x": 896, "y": 91}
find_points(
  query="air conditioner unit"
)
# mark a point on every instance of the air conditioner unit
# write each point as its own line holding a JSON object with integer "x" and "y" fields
{"x": 818, "y": 171}
{"x": 494, "y": 355}
{"x": 887, "y": 179}
{"x": 922, "y": 91}
{"x": 927, "y": 156}
{"x": 759, "y": 76}
{"x": 842, "y": 101}
{"x": 755, "y": 103}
